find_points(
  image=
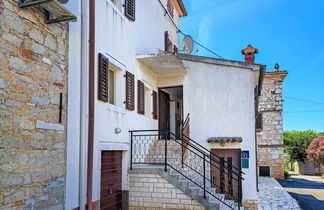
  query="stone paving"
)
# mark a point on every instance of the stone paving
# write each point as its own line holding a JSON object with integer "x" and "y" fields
{"x": 272, "y": 196}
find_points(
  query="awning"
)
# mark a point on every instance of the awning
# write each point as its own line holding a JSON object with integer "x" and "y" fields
{"x": 163, "y": 63}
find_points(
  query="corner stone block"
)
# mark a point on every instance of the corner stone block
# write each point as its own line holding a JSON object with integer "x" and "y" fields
{"x": 49, "y": 126}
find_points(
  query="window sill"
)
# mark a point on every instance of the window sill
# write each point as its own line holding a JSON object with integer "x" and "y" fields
{"x": 114, "y": 108}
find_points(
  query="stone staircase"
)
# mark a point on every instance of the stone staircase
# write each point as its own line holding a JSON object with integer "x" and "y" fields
{"x": 213, "y": 201}
{"x": 191, "y": 186}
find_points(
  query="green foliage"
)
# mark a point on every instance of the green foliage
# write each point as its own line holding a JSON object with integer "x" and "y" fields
{"x": 296, "y": 143}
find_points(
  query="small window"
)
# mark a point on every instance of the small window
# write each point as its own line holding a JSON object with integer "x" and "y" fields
{"x": 118, "y": 3}
{"x": 112, "y": 86}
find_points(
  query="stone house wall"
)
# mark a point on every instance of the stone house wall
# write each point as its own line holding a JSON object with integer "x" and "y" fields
{"x": 33, "y": 73}
{"x": 270, "y": 150}
{"x": 151, "y": 191}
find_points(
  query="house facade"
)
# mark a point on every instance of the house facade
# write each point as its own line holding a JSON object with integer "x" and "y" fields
{"x": 143, "y": 91}
{"x": 104, "y": 113}
{"x": 270, "y": 125}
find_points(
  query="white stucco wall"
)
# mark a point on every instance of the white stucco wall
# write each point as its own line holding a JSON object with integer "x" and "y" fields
{"x": 121, "y": 40}
{"x": 74, "y": 110}
{"x": 220, "y": 100}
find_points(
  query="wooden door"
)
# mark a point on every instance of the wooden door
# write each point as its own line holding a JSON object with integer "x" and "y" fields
{"x": 221, "y": 176}
{"x": 111, "y": 180}
{"x": 164, "y": 111}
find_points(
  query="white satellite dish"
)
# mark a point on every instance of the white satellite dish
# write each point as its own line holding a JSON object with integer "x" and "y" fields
{"x": 187, "y": 44}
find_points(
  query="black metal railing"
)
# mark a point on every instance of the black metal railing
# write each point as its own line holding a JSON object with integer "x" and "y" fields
{"x": 209, "y": 172}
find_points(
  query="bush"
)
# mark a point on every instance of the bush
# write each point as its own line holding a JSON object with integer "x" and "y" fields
{"x": 296, "y": 143}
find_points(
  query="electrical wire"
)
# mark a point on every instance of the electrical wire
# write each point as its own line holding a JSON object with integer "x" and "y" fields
{"x": 304, "y": 100}
{"x": 304, "y": 111}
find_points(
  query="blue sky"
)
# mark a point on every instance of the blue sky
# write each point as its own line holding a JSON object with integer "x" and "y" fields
{"x": 290, "y": 32}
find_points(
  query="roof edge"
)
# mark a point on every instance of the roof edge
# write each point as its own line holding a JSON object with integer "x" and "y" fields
{"x": 182, "y": 7}
{"x": 219, "y": 61}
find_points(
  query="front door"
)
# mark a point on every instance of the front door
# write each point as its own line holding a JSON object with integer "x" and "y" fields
{"x": 222, "y": 178}
{"x": 111, "y": 180}
{"x": 164, "y": 111}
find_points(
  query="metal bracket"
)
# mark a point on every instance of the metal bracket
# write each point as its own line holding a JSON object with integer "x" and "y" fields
{"x": 51, "y": 8}
{"x": 48, "y": 19}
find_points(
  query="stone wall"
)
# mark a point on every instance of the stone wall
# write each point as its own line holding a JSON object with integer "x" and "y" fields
{"x": 270, "y": 137}
{"x": 33, "y": 73}
{"x": 151, "y": 191}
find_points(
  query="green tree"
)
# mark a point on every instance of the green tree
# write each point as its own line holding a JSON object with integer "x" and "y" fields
{"x": 296, "y": 143}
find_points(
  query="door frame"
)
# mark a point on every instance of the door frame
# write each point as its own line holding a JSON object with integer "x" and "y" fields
{"x": 168, "y": 108}
{"x": 239, "y": 165}
{"x": 169, "y": 87}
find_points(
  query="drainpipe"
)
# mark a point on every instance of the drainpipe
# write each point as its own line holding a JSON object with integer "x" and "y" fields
{"x": 91, "y": 101}
{"x": 84, "y": 104}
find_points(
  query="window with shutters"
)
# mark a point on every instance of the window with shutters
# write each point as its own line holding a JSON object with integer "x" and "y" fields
{"x": 155, "y": 105}
{"x": 168, "y": 44}
{"x": 103, "y": 78}
{"x": 130, "y": 9}
{"x": 259, "y": 122}
{"x": 140, "y": 97}
{"x": 170, "y": 8}
{"x": 130, "y": 91}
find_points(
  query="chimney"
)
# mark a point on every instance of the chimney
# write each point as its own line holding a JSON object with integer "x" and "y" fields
{"x": 249, "y": 52}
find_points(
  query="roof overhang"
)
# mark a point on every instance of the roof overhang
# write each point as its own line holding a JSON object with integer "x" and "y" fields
{"x": 163, "y": 63}
{"x": 276, "y": 75}
{"x": 178, "y": 4}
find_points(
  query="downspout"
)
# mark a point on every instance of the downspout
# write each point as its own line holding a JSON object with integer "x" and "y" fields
{"x": 83, "y": 105}
{"x": 91, "y": 101}
{"x": 257, "y": 97}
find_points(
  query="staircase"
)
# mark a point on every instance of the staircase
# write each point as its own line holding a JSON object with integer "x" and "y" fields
{"x": 186, "y": 165}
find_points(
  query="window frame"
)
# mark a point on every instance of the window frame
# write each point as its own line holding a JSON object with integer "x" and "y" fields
{"x": 111, "y": 69}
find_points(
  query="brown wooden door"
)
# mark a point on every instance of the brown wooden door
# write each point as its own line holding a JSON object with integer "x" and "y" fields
{"x": 222, "y": 177}
{"x": 164, "y": 110}
{"x": 111, "y": 180}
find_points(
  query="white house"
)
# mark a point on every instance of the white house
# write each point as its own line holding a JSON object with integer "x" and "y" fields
{"x": 125, "y": 75}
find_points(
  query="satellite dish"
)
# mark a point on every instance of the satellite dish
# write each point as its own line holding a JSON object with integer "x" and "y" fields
{"x": 187, "y": 44}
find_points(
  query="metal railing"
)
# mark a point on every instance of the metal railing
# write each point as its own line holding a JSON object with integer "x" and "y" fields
{"x": 212, "y": 174}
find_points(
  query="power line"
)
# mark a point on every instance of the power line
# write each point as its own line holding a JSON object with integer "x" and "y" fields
{"x": 304, "y": 111}
{"x": 179, "y": 31}
{"x": 304, "y": 100}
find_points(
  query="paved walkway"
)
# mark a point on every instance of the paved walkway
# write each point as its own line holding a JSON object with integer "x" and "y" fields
{"x": 307, "y": 190}
{"x": 272, "y": 196}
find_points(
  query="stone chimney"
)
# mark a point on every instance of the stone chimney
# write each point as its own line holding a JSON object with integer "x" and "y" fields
{"x": 249, "y": 52}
